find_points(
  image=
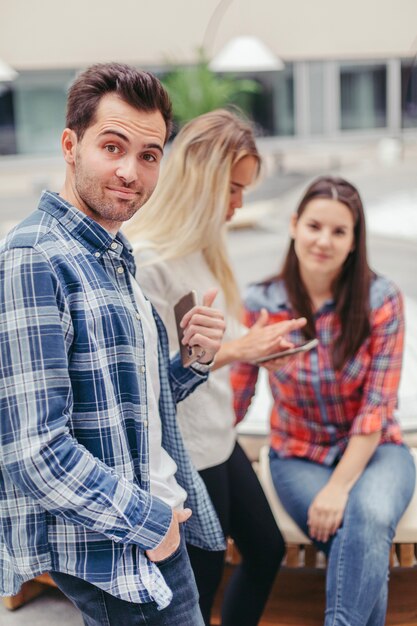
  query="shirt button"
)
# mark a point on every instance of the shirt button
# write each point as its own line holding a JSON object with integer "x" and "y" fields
{"x": 97, "y": 254}
{"x": 113, "y": 245}
{"x": 145, "y": 424}
{"x": 120, "y": 270}
{"x": 143, "y": 369}
{"x": 137, "y": 316}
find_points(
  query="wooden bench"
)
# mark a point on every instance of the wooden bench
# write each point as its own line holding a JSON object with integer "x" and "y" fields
{"x": 300, "y": 550}
{"x": 29, "y": 590}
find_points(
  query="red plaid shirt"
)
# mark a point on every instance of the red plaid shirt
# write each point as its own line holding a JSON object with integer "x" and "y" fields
{"x": 316, "y": 409}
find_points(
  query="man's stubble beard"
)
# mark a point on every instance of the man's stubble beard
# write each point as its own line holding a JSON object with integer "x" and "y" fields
{"x": 92, "y": 194}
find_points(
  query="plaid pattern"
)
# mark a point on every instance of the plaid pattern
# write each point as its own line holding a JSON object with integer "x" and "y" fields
{"x": 74, "y": 465}
{"x": 317, "y": 409}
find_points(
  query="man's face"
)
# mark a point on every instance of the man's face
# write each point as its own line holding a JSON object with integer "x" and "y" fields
{"x": 115, "y": 167}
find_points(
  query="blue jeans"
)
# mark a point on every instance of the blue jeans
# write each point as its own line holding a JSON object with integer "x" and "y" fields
{"x": 99, "y": 608}
{"x": 358, "y": 554}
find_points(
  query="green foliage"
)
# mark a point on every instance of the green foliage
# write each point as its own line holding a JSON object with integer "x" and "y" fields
{"x": 195, "y": 90}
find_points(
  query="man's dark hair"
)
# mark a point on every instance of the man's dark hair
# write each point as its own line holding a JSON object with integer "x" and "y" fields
{"x": 140, "y": 89}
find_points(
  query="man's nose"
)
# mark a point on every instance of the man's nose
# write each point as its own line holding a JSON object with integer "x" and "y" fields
{"x": 127, "y": 170}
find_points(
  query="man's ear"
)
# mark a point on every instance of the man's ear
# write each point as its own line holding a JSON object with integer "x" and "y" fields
{"x": 69, "y": 145}
{"x": 293, "y": 224}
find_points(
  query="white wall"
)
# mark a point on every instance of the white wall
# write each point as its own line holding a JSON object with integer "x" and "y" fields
{"x": 75, "y": 33}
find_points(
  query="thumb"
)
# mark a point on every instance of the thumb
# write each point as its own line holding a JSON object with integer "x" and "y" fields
{"x": 262, "y": 319}
{"x": 183, "y": 515}
{"x": 210, "y": 296}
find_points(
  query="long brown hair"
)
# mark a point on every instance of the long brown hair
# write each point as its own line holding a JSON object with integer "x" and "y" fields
{"x": 351, "y": 287}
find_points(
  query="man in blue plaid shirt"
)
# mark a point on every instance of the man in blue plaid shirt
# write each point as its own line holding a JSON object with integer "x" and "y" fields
{"x": 93, "y": 472}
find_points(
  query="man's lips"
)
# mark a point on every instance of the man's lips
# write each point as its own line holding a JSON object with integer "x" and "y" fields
{"x": 123, "y": 192}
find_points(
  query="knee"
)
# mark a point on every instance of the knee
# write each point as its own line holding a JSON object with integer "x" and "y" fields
{"x": 260, "y": 542}
{"x": 269, "y": 552}
{"x": 276, "y": 551}
{"x": 270, "y": 539}
{"x": 373, "y": 519}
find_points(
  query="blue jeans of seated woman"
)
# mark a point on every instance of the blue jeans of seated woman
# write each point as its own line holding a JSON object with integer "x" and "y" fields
{"x": 358, "y": 554}
{"x": 99, "y": 608}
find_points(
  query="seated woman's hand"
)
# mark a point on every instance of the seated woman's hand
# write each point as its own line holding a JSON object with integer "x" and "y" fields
{"x": 326, "y": 512}
{"x": 263, "y": 339}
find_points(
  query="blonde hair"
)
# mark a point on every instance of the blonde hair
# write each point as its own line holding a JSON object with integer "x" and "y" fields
{"x": 187, "y": 211}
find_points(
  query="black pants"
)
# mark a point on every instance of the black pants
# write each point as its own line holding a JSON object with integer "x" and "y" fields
{"x": 245, "y": 516}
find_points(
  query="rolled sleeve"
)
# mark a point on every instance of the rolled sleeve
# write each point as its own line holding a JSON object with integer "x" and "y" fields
{"x": 184, "y": 379}
{"x": 382, "y": 381}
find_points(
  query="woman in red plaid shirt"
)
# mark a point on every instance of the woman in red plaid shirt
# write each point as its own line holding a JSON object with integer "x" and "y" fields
{"x": 337, "y": 458}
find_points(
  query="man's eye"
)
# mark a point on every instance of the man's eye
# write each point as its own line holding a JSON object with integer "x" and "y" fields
{"x": 112, "y": 149}
{"x": 151, "y": 158}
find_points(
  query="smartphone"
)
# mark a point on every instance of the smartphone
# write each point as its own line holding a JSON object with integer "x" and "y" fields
{"x": 304, "y": 347}
{"x": 189, "y": 354}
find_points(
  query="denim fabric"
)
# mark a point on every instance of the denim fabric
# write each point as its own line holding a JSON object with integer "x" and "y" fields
{"x": 358, "y": 554}
{"x": 99, "y": 608}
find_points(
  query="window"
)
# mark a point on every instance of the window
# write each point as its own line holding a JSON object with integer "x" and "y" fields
{"x": 7, "y": 129}
{"x": 363, "y": 96}
{"x": 408, "y": 94}
{"x": 40, "y": 102}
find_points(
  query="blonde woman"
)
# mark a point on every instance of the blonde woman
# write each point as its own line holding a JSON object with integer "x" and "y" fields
{"x": 179, "y": 242}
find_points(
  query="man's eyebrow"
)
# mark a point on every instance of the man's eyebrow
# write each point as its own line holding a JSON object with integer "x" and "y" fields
{"x": 148, "y": 146}
{"x": 155, "y": 146}
{"x": 109, "y": 131}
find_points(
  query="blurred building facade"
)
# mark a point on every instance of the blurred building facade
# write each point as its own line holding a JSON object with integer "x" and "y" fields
{"x": 349, "y": 69}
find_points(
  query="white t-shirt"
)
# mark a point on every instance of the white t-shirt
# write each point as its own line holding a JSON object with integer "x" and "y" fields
{"x": 206, "y": 417}
{"x": 162, "y": 467}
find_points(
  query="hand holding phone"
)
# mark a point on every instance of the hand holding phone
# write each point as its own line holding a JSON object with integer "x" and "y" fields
{"x": 304, "y": 347}
{"x": 189, "y": 354}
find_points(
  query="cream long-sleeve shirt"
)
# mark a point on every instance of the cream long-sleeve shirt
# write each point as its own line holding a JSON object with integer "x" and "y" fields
{"x": 206, "y": 418}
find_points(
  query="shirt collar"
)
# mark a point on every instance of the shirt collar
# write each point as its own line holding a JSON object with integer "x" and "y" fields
{"x": 327, "y": 305}
{"x": 275, "y": 292}
{"x": 86, "y": 230}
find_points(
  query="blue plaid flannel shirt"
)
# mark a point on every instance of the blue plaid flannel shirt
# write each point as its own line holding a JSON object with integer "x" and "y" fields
{"x": 74, "y": 458}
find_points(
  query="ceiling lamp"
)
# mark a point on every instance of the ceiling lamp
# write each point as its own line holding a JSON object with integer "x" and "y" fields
{"x": 246, "y": 54}
{"x": 7, "y": 73}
